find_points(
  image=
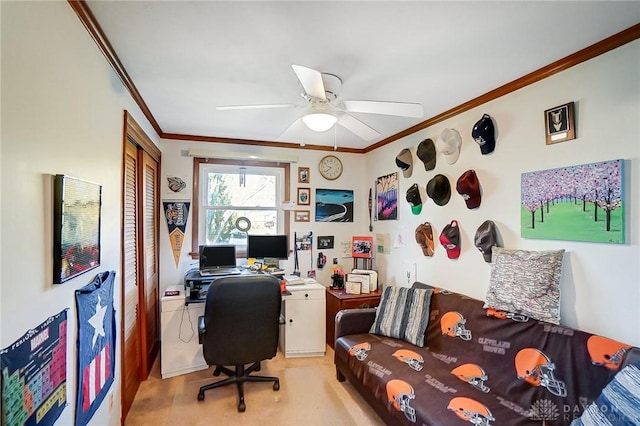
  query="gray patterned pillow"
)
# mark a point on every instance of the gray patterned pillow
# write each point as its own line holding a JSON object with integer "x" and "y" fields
{"x": 526, "y": 282}
{"x": 403, "y": 313}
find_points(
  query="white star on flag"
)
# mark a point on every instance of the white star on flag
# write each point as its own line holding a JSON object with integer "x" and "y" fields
{"x": 97, "y": 321}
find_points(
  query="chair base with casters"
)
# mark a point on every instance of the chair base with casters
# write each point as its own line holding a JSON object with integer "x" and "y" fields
{"x": 239, "y": 376}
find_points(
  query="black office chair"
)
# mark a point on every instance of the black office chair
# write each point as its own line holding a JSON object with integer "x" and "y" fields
{"x": 240, "y": 326}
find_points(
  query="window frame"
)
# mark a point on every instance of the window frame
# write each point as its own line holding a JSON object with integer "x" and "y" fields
{"x": 195, "y": 204}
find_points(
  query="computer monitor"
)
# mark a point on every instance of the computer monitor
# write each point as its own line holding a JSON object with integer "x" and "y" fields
{"x": 217, "y": 257}
{"x": 267, "y": 246}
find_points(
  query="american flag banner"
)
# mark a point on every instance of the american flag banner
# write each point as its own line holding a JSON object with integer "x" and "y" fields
{"x": 96, "y": 344}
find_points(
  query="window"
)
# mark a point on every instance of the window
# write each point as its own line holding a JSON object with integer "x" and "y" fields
{"x": 227, "y": 190}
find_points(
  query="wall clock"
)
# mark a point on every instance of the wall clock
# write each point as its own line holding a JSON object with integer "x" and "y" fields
{"x": 330, "y": 167}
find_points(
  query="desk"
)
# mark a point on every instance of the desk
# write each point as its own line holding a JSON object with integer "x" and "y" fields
{"x": 338, "y": 300}
{"x": 180, "y": 351}
{"x": 301, "y": 334}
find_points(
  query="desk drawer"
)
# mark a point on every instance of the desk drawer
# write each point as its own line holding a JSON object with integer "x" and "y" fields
{"x": 369, "y": 302}
{"x": 305, "y": 294}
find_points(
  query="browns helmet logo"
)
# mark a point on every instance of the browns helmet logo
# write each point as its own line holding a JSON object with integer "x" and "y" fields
{"x": 504, "y": 315}
{"x": 471, "y": 411}
{"x": 452, "y": 324}
{"x": 472, "y": 374}
{"x": 411, "y": 358}
{"x": 606, "y": 352}
{"x": 360, "y": 350}
{"x": 535, "y": 368}
{"x": 400, "y": 394}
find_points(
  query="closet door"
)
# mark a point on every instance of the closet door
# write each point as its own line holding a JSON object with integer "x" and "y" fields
{"x": 131, "y": 360}
{"x": 140, "y": 225}
{"x": 149, "y": 227}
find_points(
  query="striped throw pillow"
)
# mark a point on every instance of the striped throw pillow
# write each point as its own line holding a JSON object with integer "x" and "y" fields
{"x": 403, "y": 313}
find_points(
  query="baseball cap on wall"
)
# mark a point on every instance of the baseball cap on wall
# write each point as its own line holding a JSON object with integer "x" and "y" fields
{"x": 427, "y": 153}
{"x": 449, "y": 143}
{"x": 469, "y": 187}
{"x": 414, "y": 199}
{"x": 485, "y": 239}
{"x": 424, "y": 238}
{"x": 439, "y": 189}
{"x": 404, "y": 160}
{"x": 484, "y": 134}
{"x": 450, "y": 239}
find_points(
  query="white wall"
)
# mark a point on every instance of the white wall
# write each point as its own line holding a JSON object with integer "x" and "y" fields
{"x": 600, "y": 285}
{"x": 176, "y": 163}
{"x": 62, "y": 113}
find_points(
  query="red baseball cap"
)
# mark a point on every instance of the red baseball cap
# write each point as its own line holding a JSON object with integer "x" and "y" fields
{"x": 468, "y": 187}
{"x": 450, "y": 239}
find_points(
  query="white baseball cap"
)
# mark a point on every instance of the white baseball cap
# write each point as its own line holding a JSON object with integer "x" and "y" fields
{"x": 449, "y": 144}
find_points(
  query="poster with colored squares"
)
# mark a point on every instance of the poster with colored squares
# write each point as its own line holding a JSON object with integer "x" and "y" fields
{"x": 34, "y": 374}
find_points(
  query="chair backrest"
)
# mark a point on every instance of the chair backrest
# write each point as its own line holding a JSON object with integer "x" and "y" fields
{"x": 242, "y": 315}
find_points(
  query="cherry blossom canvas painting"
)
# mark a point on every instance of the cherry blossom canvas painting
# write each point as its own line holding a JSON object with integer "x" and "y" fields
{"x": 574, "y": 203}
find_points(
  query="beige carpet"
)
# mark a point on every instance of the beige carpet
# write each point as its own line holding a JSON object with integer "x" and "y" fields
{"x": 309, "y": 395}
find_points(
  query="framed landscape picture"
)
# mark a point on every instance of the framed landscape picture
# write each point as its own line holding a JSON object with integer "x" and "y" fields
{"x": 575, "y": 203}
{"x": 334, "y": 205}
{"x": 76, "y": 227}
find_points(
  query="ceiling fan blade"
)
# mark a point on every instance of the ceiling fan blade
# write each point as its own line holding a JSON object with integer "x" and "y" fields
{"x": 263, "y": 106}
{"x": 404, "y": 109}
{"x": 293, "y": 132}
{"x": 311, "y": 81}
{"x": 357, "y": 127}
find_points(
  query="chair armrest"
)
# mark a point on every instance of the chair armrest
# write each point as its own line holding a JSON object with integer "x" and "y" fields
{"x": 354, "y": 321}
{"x": 202, "y": 329}
{"x": 631, "y": 357}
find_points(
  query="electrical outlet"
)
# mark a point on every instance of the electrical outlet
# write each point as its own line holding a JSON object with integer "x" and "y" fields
{"x": 410, "y": 271}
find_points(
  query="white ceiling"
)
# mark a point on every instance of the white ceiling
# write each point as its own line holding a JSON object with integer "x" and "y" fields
{"x": 187, "y": 57}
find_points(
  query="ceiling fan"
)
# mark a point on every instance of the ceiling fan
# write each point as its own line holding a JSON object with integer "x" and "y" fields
{"x": 325, "y": 109}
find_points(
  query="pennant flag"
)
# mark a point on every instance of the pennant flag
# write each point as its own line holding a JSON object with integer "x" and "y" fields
{"x": 34, "y": 374}
{"x": 176, "y": 213}
{"x": 96, "y": 344}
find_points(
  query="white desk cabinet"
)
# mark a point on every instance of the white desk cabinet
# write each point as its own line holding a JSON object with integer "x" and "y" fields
{"x": 180, "y": 351}
{"x": 304, "y": 327}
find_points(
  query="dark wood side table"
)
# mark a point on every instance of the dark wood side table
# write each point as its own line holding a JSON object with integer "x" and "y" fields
{"x": 338, "y": 300}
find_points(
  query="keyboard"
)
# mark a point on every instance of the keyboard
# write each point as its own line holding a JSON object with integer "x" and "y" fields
{"x": 220, "y": 272}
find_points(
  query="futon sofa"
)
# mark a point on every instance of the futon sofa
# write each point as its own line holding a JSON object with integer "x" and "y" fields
{"x": 477, "y": 366}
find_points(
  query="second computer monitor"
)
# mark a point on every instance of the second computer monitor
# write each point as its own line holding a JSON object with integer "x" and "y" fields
{"x": 267, "y": 246}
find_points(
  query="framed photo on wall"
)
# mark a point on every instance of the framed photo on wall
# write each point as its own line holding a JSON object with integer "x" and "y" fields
{"x": 303, "y": 175}
{"x": 76, "y": 227}
{"x": 304, "y": 196}
{"x": 301, "y": 215}
{"x": 560, "y": 123}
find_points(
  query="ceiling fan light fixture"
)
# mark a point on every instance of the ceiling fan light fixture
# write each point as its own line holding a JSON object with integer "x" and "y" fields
{"x": 319, "y": 121}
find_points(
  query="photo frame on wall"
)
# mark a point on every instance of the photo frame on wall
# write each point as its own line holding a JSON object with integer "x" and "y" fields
{"x": 304, "y": 196}
{"x": 560, "y": 123}
{"x": 76, "y": 227}
{"x": 301, "y": 215}
{"x": 303, "y": 175}
{"x": 325, "y": 242}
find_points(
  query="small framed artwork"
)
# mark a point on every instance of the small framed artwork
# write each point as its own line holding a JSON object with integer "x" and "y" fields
{"x": 304, "y": 196}
{"x": 325, "y": 242}
{"x": 362, "y": 246}
{"x": 76, "y": 227}
{"x": 303, "y": 175}
{"x": 302, "y": 215}
{"x": 560, "y": 123}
